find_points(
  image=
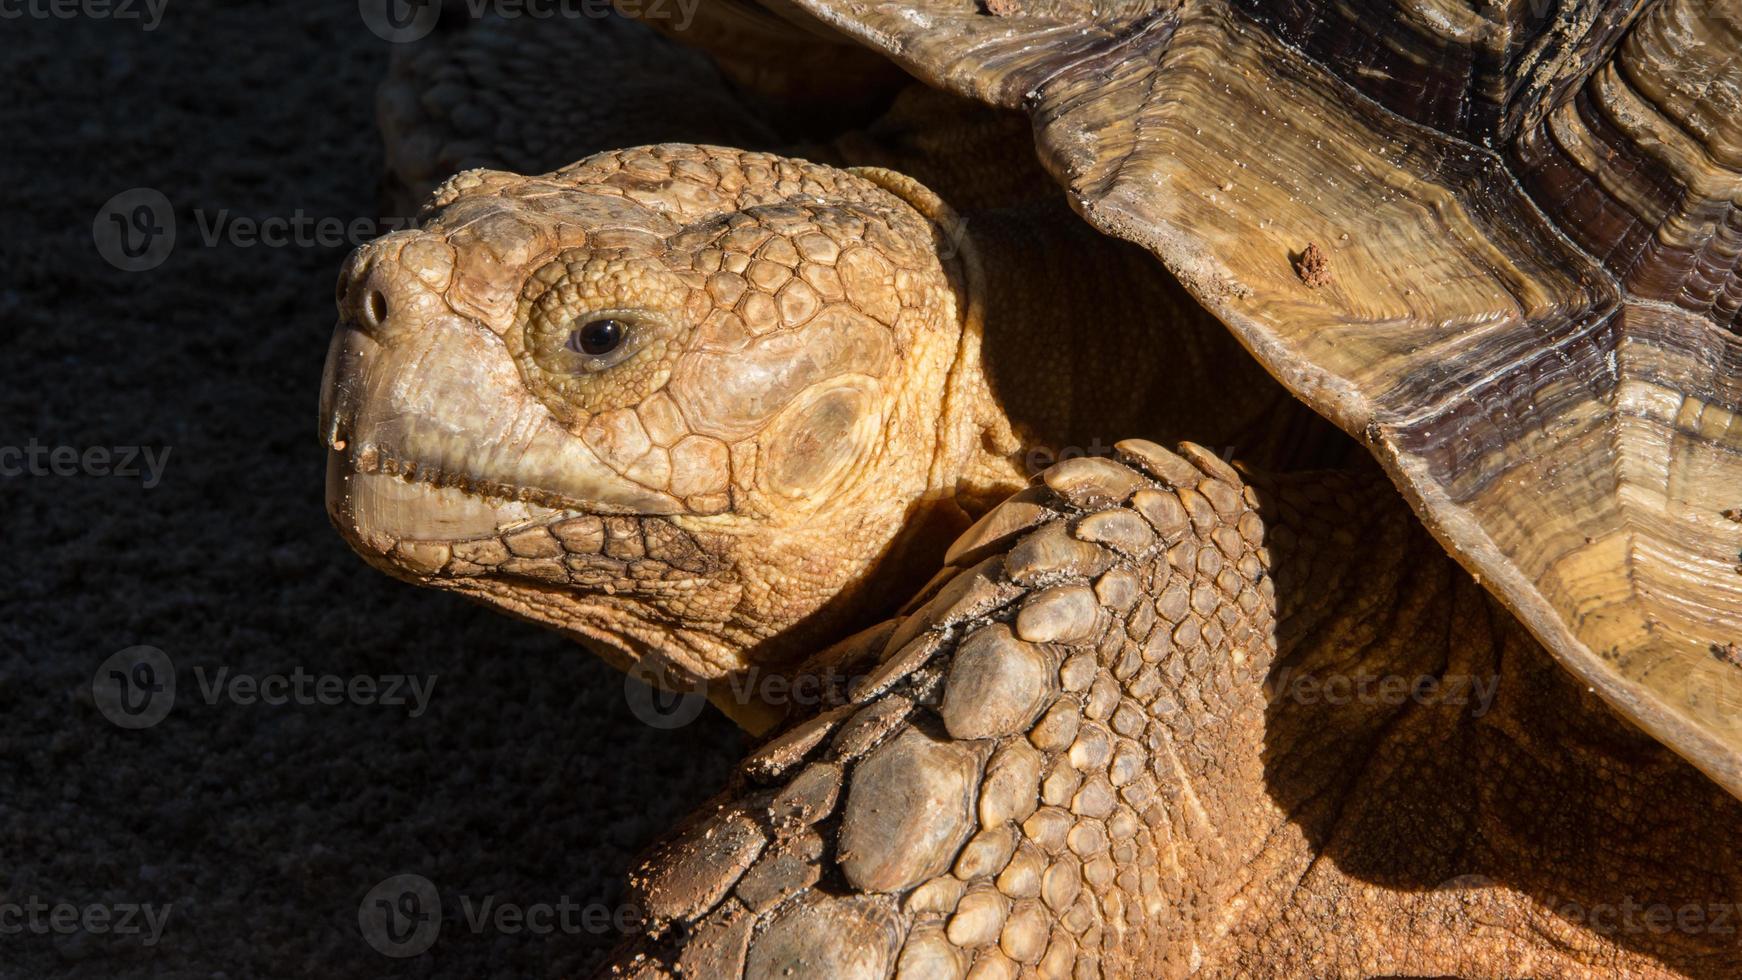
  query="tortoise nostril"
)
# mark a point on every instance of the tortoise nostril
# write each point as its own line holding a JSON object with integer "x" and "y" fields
{"x": 375, "y": 311}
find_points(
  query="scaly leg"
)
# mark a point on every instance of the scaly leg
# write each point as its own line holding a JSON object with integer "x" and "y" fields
{"x": 1082, "y": 756}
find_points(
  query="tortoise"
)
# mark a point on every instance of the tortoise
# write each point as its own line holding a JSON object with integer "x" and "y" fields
{"x": 719, "y": 413}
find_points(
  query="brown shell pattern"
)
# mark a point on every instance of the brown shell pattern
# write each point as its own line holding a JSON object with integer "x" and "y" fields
{"x": 1524, "y": 285}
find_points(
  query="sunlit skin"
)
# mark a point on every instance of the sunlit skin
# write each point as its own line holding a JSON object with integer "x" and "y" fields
{"x": 696, "y": 423}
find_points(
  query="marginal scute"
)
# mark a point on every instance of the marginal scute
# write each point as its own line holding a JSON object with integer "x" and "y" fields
{"x": 1535, "y": 474}
{"x": 1011, "y": 788}
{"x": 1120, "y": 529}
{"x": 692, "y": 873}
{"x": 909, "y": 810}
{"x": 788, "y": 749}
{"x": 1064, "y": 614}
{"x": 904, "y": 661}
{"x": 1091, "y": 481}
{"x": 1171, "y": 469}
{"x": 1051, "y": 553}
{"x": 998, "y": 526}
{"x": 996, "y": 684}
{"x": 974, "y": 592}
{"x": 854, "y": 938}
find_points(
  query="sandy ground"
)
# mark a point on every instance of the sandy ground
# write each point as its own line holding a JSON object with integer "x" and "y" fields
{"x": 528, "y": 779}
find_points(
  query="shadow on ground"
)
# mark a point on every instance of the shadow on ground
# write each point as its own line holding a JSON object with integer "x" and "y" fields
{"x": 527, "y": 779}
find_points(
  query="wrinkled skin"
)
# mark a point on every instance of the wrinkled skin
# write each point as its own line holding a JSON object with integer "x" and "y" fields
{"x": 1157, "y": 760}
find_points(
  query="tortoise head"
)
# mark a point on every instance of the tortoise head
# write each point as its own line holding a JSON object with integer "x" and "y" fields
{"x": 676, "y": 401}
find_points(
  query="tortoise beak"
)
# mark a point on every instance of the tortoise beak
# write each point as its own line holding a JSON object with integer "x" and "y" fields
{"x": 431, "y": 436}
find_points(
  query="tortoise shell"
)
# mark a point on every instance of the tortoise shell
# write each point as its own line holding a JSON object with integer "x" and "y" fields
{"x": 1499, "y": 242}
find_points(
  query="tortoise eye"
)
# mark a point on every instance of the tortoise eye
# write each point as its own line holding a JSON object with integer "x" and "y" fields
{"x": 597, "y": 338}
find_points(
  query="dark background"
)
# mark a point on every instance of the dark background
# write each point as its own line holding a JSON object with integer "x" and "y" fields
{"x": 529, "y": 778}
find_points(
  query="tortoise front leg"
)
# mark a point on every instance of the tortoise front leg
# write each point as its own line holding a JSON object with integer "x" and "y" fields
{"x": 1082, "y": 756}
{"x": 1049, "y": 773}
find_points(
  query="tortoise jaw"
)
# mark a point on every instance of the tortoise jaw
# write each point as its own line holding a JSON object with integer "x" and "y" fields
{"x": 380, "y": 511}
{"x": 432, "y": 437}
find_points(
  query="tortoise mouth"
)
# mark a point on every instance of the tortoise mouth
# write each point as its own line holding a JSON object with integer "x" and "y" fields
{"x": 410, "y": 523}
{"x": 380, "y": 502}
